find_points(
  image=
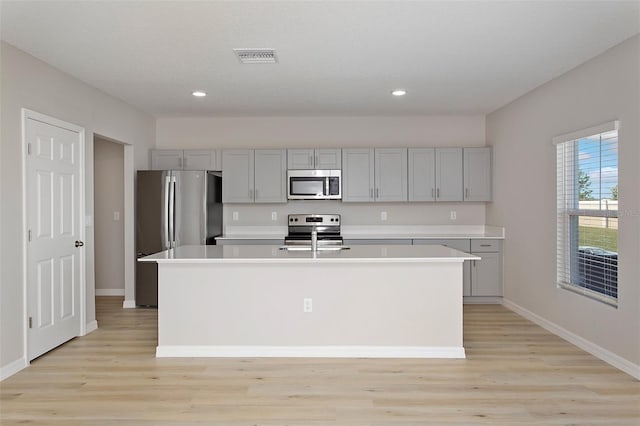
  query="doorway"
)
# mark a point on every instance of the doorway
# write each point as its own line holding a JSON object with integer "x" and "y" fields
{"x": 109, "y": 217}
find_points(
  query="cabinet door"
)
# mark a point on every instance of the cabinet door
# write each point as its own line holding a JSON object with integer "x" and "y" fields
{"x": 237, "y": 176}
{"x": 166, "y": 159}
{"x": 328, "y": 159}
{"x": 449, "y": 174}
{"x": 422, "y": 175}
{"x": 357, "y": 174}
{"x": 270, "y": 176}
{"x": 391, "y": 174}
{"x": 197, "y": 159}
{"x": 457, "y": 244}
{"x": 477, "y": 174}
{"x": 486, "y": 275}
{"x": 300, "y": 159}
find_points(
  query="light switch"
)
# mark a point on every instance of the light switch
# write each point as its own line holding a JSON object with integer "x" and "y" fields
{"x": 116, "y": 216}
{"x": 235, "y": 216}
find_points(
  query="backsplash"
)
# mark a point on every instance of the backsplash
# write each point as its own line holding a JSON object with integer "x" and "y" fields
{"x": 358, "y": 213}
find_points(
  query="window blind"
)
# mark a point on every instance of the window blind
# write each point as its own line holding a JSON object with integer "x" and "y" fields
{"x": 587, "y": 213}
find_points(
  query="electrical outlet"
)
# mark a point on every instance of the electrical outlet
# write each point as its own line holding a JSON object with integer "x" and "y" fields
{"x": 307, "y": 304}
{"x": 383, "y": 215}
{"x": 235, "y": 216}
{"x": 274, "y": 215}
{"x": 116, "y": 216}
{"x": 453, "y": 215}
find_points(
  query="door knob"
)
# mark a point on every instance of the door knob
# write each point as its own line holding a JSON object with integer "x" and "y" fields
{"x": 79, "y": 243}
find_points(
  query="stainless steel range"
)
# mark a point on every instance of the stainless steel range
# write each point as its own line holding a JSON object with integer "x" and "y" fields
{"x": 302, "y": 228}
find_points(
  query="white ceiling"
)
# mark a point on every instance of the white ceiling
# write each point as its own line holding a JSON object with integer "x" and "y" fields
{"x": 335, "y": 57}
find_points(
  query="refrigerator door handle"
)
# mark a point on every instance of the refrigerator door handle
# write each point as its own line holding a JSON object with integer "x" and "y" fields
{"x": 172, "y": 212}
{"x": 167, "y": 218}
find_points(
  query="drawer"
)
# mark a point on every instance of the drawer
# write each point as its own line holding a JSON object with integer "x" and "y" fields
{"x": 462, "y": 244}
{"x": 485, "y": 245}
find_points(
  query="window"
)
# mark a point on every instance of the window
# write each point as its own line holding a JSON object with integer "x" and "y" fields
{"x": 587, "y": 209}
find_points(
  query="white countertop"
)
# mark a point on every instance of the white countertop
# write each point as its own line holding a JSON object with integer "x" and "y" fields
{"x": 375, "y": 232}
{"x": 274, "y": 254}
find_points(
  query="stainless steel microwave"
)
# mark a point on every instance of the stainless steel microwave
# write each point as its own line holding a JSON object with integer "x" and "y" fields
{"x": 314, "y": 184}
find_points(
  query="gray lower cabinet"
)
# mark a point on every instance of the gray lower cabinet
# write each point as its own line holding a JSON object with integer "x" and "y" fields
{"x": 254, "y": 176}
{"x": 486, "y": 274}
{"x": 374, "y": 174}
{"x": 457, "y": 244}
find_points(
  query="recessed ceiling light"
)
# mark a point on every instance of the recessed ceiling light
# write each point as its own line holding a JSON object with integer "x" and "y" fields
{"x": 399, "y": 92}
{"x": 199, "y": 93}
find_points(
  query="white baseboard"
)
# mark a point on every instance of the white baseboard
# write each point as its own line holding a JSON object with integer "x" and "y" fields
{"x": 584, "y": 344}
{"x": 92, "y": 326}
{"x": 109, "y": 291}
{"x": 479, "y": 300}
{"x": 169, "y": 351}
{"x": 128, "y": 304}
{"x": 12, "y": 368}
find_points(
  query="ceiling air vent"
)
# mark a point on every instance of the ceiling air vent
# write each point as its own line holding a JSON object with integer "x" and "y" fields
{"x": 256, "y": 56}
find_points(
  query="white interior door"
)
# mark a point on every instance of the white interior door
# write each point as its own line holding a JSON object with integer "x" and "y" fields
{"x": 54, "y": 250}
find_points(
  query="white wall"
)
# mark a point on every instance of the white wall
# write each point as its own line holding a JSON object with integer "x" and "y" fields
{"x": 603, "y": 89}
{"x": 344, "y": 132}
{"x": 30, "y": 83}
{"x": 109, "y": 232}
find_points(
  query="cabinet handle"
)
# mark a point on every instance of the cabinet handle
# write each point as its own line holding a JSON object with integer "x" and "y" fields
{"x": 485, "y": 245}
{"x": 466, "y": 193}
{"x": 255, "y": 194}
{"x": 377, "y": 192}
{"x": 438, "y": 193}
{"x": 250, "y": 194}
{"x": 317, "y": 161}
{"x": 371, "y": 192}
{"x": 432, "y": 192}
{"x": 180, "y": 163}
{"x": 311, "y": 160}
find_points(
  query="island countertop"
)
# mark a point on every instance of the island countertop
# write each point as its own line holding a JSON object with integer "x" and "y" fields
{"x": 276, "y": 254}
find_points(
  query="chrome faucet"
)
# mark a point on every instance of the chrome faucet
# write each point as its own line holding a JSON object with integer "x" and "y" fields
{"x": 314, "y": 239}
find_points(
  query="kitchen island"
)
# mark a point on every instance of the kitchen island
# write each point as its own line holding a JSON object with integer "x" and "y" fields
{"x": 261, "y": 301}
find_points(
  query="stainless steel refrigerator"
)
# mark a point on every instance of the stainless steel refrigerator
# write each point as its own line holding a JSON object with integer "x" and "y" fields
{"x": 173, "y": 208}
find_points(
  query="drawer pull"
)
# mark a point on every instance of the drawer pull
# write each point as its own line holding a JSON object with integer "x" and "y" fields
{"x": 485, "y": 245}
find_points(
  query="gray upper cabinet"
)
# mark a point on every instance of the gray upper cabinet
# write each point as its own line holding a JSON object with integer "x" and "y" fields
{"x": 238, "y": 176}
{"x": 329, "y": 158}
{"x": 357, "y": 174}
{"x": 449, "y": 174}
{"x": 166, "y": 159}
{"x": 374, "y": 174}
{"x": 254, "y": 176}
{"x": 422, "y": 174}
{"x": 477, "y": 174}
{"x": 270, "y": 176}
{"x": 190, "y": 159}
{"x": 390, "y": 174}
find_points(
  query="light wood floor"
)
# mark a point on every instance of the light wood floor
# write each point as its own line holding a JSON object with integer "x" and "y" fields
{"x": 515, "y": 373}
